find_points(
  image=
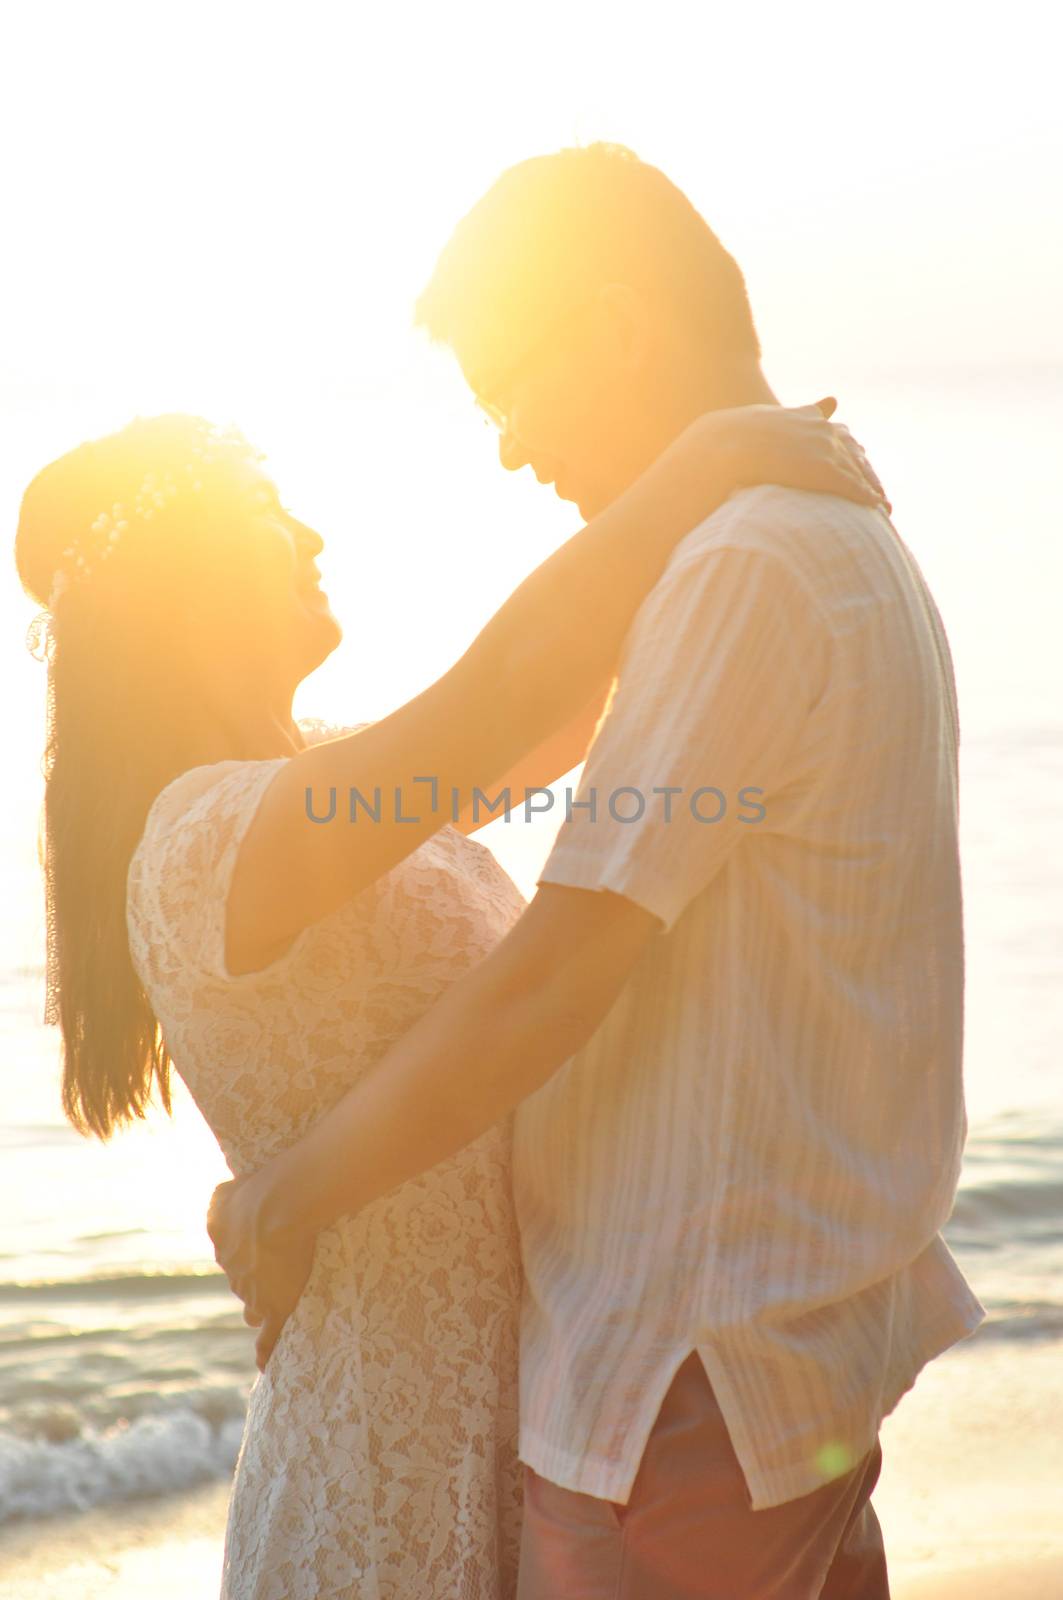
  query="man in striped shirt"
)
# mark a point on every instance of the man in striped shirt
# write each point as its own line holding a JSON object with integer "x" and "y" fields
{"x": 731, "y": 1019}
{"x": 730, "y": 1197}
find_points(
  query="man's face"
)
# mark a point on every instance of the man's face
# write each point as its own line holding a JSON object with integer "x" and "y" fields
{"x": 561, "y": 389}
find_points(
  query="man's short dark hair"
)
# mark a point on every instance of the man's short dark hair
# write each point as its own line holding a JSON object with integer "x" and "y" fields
{"x": 553, "y": 229}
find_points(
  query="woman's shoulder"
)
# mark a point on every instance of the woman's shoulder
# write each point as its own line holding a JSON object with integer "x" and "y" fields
{"x": 218, "y": 782}
{"x": 178, "y": 874}
{"x": 215, "y": 798}
{"x": 192, "y": 821}
{"x": 200, "y": 790}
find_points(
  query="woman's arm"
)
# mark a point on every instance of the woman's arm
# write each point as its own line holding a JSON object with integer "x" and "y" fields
{"x": 559, "y": 753}
{"x": 529, "y": 671}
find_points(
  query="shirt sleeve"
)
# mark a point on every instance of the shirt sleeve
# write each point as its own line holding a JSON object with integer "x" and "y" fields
{"x": 719, "y": 672}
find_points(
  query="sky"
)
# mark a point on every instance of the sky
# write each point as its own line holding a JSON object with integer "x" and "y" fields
{"x": 199, "y": 194}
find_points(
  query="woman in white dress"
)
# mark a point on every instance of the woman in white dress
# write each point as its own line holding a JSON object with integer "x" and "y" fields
{"x": 196, "y": 919}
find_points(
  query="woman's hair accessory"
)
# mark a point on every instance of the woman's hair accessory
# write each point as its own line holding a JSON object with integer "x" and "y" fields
{"x": 86, "y": 551}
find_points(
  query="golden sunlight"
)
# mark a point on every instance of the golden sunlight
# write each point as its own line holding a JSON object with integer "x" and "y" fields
{"x": 230, "y": 211}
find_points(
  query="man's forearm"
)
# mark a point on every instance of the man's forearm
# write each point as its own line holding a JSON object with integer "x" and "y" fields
{"x": 481, "y": 1049}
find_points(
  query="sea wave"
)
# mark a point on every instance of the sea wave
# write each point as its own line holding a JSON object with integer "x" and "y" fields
{"x": 118, "y": 1387}
{"x": 1011, "y": 1192}
{"x": 1034, "y": 1204}
{"x": 123, "y": 1286}
{"x": 157, "y": 1454}
{"x": 1020, "y": 1320}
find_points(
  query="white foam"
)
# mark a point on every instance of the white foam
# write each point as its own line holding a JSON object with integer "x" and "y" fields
{"x": 155, "y": 1455}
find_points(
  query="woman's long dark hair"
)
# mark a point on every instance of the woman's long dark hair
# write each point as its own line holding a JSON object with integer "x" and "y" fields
{"x": 124, "y": 717}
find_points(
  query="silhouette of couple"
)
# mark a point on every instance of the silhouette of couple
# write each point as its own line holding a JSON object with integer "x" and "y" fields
{"x": 588, "y": 1240}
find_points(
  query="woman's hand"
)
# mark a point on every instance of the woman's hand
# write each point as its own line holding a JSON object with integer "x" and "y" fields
{"x": 798, "y": 447}
{"x": 267, "y": 1268}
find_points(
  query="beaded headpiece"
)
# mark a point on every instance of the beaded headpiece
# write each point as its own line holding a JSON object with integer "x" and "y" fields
{"x": 88, "y": 550}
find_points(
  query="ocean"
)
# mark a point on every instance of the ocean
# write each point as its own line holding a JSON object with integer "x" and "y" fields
{"x": 124, "y": 1362}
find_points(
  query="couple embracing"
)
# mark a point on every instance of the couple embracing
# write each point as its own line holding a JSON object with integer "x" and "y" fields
{"x": 589, "y": 1240}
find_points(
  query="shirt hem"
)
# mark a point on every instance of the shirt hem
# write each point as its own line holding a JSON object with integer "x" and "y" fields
{"x": 608, "y": 1480}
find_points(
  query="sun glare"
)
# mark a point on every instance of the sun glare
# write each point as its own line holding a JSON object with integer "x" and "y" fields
{"x": 231, "y": 212}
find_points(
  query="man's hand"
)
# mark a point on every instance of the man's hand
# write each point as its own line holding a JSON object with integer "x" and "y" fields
{"x": 267, "y": 1270}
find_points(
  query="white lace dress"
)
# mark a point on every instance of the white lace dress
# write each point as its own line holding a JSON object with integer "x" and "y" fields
{"x": 379, "y": 1459}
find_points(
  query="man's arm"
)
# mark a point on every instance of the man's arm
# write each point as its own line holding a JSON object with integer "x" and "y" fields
{"x": 493, "y": 1038}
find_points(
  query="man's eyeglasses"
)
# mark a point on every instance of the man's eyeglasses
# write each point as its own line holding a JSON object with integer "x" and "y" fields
{"x": 490, "y": 415}
{"x": 492, "y": 411}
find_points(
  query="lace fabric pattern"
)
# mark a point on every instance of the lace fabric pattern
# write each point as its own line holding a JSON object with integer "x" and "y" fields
{"x": 379, "y": 1458}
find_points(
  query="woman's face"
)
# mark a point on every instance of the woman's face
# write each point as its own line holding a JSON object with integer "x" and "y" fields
{"x": 281, "y": 614}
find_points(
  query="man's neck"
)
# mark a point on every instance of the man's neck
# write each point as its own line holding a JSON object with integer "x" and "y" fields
{"x": 685, "y": 393}
{"x": 719, "y": 388}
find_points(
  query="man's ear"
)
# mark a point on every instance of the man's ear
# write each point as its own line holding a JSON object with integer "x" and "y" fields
{"x": 623, "y": 327}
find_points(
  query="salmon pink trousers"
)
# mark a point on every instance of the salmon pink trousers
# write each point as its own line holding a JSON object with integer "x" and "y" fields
{"x": 688, "y": 1531}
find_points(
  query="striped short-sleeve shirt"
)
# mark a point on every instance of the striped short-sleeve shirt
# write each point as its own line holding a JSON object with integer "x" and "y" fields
{"x": 754, "y": 1153}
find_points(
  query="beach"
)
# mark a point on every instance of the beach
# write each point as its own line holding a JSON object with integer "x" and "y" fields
{"x": 970, "y": 1500}
{"x": 168, "y": 1548}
